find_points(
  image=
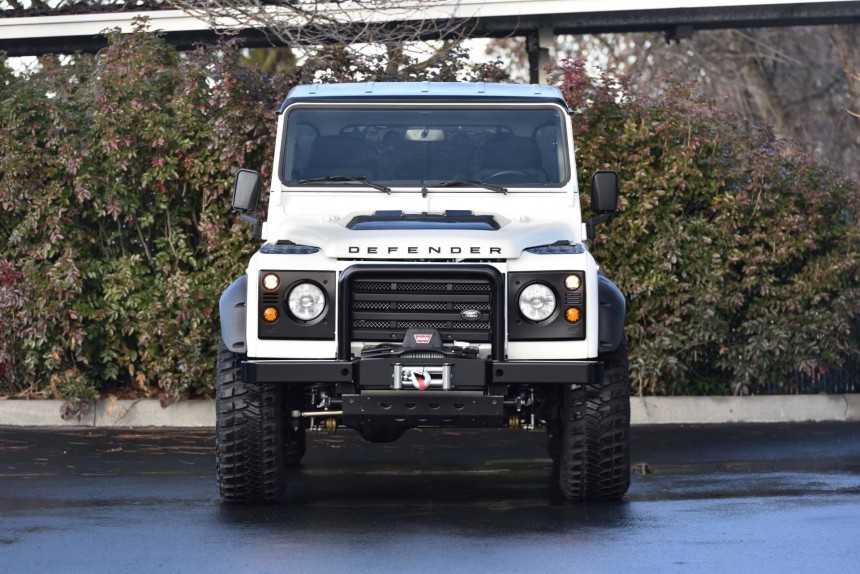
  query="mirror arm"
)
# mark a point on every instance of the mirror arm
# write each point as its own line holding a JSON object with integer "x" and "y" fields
{"x": 256, "y": 225}
{"x": 594, "y": 222}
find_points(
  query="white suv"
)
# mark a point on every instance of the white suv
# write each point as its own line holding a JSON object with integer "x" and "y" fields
{"x": 424, "y": 265}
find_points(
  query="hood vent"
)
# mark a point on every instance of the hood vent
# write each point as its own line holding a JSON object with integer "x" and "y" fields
{"x": 397, "y": 220}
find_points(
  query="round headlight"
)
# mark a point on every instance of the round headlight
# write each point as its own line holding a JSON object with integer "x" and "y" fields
{"x": 306, "y": 301}
{"x": 537, "y": 302}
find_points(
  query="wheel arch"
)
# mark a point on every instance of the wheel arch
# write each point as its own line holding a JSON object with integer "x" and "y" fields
{"x": 233, "y": 310}
{"x": 611, "y": 309}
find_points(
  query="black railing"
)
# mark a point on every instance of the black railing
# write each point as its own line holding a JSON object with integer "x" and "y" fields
{"x": 835, "y": 382}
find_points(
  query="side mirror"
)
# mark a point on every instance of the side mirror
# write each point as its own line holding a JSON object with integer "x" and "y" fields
{"x": 604, "y": 192}
{"x": 246, "y": 194}
{"x": 246, "y": 191}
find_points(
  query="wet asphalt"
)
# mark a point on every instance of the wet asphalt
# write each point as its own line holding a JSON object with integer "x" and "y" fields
{"x": 739, "y": 498}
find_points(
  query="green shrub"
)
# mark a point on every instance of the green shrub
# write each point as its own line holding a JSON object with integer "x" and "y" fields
{"x": 738, "y": 256}
{"x": 115, "y": 191}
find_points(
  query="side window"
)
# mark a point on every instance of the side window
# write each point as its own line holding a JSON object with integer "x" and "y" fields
{"x": 547, "y": 139}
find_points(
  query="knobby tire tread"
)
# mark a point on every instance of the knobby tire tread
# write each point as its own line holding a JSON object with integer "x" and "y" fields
{"x": 249, "y": 438}
{"x": 594, "y": 457}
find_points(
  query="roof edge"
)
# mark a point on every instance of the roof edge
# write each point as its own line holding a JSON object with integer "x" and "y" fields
{"x": 423, "y": 91}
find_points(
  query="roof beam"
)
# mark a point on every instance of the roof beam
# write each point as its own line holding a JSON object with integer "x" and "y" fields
{"x": 483, "y": 18}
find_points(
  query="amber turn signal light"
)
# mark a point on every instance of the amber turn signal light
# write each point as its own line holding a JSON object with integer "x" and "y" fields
{"x": 270, "y": 314}
{"x": 572, "y": 315}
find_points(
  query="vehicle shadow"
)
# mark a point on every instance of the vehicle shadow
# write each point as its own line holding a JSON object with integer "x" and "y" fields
{"x": 505, "y": 486}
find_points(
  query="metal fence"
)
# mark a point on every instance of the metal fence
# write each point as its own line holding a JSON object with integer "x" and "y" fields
{"x": 802, "y": 384}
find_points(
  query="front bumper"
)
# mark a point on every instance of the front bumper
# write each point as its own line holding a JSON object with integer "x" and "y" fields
{"x": 472, "y": 392}
{"x": 470, "y": 374}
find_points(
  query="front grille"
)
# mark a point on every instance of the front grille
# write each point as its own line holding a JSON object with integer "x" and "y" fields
{"x": 476, "y": 306}
{"x": 383, "y": 308}
{"x": 422, "y": 324}
{"x": 364, "y": 324}
{"x": 374, "y": 305}
{"x": 421, "y": 306}
{"x": 482, "y": 325}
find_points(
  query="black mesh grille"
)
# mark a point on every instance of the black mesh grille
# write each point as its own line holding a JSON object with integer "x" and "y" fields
{"x": 475, "y": 306}
{"x": 422, "y": 324}
{"x": 363, "y": 324}
{"x": 479, "y": 287}
{"x": 383, "y": 308}
{"x": 468, "y": 325}
{"x": 421, "y": 306}
{"x": 372, "y": 305}
{"x": 426, "y": 287}
{"x": 375, "y": 286}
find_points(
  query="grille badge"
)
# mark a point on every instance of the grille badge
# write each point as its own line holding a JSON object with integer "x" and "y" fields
{"x": 470, "y": 314}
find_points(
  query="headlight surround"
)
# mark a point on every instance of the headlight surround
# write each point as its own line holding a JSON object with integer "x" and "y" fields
{"x": 537, "y": 302}
{"x": 524, "y": 313}
{"x": 306, "y": 301}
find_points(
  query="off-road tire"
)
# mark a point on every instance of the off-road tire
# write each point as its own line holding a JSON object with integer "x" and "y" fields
{"x": 594, "y": 431}
{"x": 249, "y": 438}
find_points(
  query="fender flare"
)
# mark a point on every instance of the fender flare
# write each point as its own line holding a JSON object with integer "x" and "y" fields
{"x": 233, "y": 309}
{"x": 610, "y": 315}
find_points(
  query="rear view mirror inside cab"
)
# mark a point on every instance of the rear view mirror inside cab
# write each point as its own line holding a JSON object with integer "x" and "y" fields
{"x": 424, "y": 135}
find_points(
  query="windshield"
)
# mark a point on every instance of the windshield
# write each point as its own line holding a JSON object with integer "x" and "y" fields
{"x": 460, "y": 147}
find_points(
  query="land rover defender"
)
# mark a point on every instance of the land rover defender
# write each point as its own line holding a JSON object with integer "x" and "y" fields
{"x": 423, "y": 265}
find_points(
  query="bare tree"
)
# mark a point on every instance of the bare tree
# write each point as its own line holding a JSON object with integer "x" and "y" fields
{"x": 856, "y": 114}
{"x": 847, "y": 40}
{"x": 801, "y": 80}
{"x": 300, "y": 23}
{"x": 10, "y": 8}
{"x": 393, "y": 25}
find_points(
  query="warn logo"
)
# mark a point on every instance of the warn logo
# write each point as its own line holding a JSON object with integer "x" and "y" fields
{"x": 422, "y": 339}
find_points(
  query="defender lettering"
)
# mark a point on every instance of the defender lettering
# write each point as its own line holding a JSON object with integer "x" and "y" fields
{"x": 429, "y": 250}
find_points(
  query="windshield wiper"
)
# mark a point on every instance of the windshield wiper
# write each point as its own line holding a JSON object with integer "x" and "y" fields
{"x": 471, "y": 183}
{"x": 344, "y": 178}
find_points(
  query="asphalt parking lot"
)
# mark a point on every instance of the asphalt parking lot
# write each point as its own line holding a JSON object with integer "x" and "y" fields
{"x": 740, "y": 498}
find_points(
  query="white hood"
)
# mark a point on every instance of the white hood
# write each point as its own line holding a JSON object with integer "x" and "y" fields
{"x": 507, "y": 242}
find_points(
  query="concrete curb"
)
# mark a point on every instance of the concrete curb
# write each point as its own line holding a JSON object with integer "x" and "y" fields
{"x": 756, "y": 409}
{"x": 107, "y": 413}
{"x": 644, "y": 410}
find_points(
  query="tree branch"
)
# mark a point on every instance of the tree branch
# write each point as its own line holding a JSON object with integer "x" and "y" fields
{"x": 304, "y": 23}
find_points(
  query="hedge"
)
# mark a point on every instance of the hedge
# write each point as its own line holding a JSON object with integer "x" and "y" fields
{"x": 738, "y": 255}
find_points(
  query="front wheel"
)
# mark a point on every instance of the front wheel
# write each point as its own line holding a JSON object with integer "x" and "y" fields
{"x": 594, "y": 434}
{"x": 249, "y": 435}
